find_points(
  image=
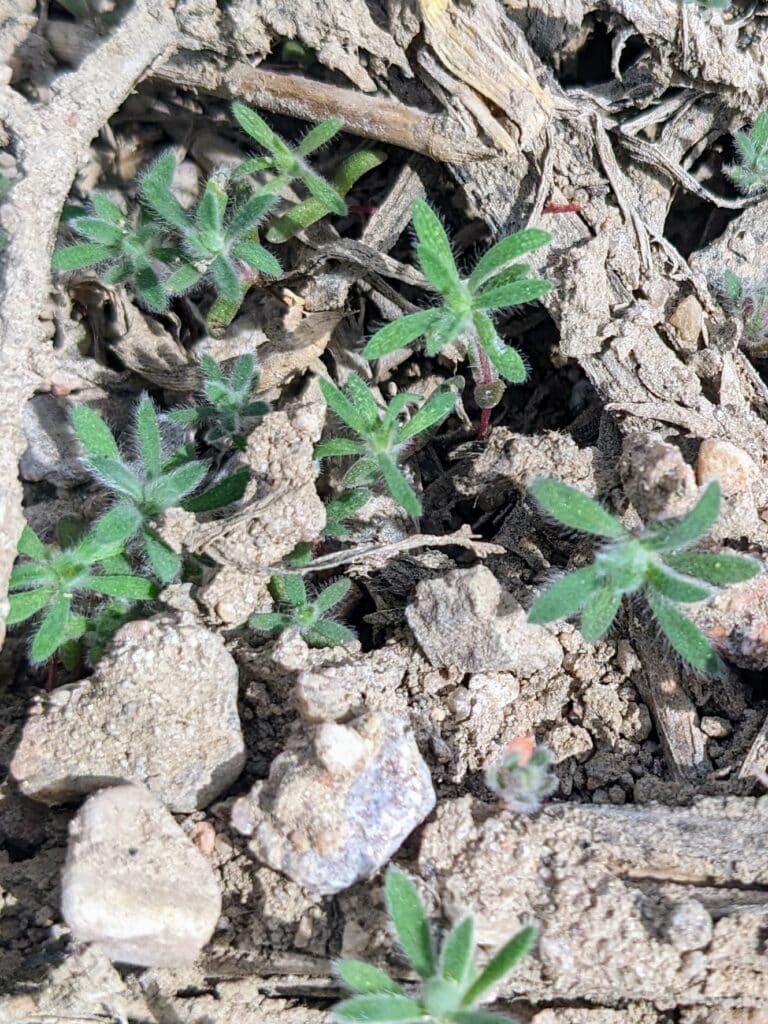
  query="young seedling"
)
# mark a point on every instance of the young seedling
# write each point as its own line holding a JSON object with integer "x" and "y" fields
{"x": 451, "y": 986}
{"x": 382, "y": 436}
{"x": 749, "y": 300}
{"x": 154, "y": 482}
{"x": 751, "y": 173}
{"x": 497, "y": 282}
{"x": 52, "y": 577}
{"x": 290, "y": 164}
{"x": 123, "y": 251}
{"x": 231, "y": 407}
{"x": 217, "y": 243}
{"x": 523, "y": 777}
{"x": 290, "y": 593}
{"x": 654, "y": 563}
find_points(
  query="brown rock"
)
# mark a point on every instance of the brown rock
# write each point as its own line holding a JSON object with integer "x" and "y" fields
{"x": 727, "y": 463}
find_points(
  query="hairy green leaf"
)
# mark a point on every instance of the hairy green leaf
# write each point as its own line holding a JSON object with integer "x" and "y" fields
{"x": 456, "y": 955}
{"x": 399, "y": 333}
{"x": 565, "y": 596}
{"x": 254, "y": 125}
{"x": 406, "y": 911}
{"x": 31, "y": 545}
{"x": 434, "y": 249}
{"x": 155, "y": 191}
{"x": 51, "y": 631}
{"x": 434, "y": 411}
{"x": 268, "y": 622}
{"x": 501, "y": 964}
{"x": 398, "y": 486}
{"x": 221, "y": 494}
{"x": 365, "y": 979}
{"x": 326, "y": 633}
{"x": 257, "y": 257}
{"x": 331, "y": 595}
{"x": 133, "y": 588}
{"x": 718, "y": 569}
{"x": 148, "y": 435}
{"x": 669, "y": 535}
{"x": 94, "y": 434}
{"x": 572, "y": 508}
{"x": 77, "y": 257}
{"x": 23, "y": 606}
{"x": 164, "y": 562}
{"x": 341, "y": 405}
{"x": 689, "y": 642}
{"x": 319, "y": 135}
{"x": 598, "y": 613}
{"x": 504, "y": 252}
{"x": 513, "y": 294}
{"x": 337, "y": 447}
{"x": 326, "y": 193}
{"x": 379, "y": 1008}
{"x": 676, "y": 588}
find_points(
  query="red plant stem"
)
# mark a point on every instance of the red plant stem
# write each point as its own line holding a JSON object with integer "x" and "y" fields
{"x": 484, "y": 424}
{"x": 561, "y": 208}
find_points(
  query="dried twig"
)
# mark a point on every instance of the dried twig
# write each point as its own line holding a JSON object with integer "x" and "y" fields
{"x": 373, "y": 556}
{"x": 371, "y": 117}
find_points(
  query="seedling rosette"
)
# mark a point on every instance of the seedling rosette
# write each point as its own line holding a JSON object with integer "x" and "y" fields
{"x": 450, "y": 986}
{"x": 382, "y": 437}
{"x": 297, "y": 610}
{"x": 655, "y": 563}
{"x": 497, "y": 282}
{"x": 147, "y": 487}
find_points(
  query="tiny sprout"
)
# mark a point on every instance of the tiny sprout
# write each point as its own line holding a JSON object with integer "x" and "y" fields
{"x": 654, "y": 563}
{"x": 751, "y": 173}
{"x": 53, "y": 577}
{"x": 749, "y": 301}
{"x": 382, "y": 437}
{"x": 290, "y": 593}
{"x": 290, "y": 164}
{"x": 154, "y": 482}
{"x": 496, "y": 282}
{"x": 523, "y": 777}
{"x": 216, "y": 244}
{"x": 451, "y": 986}
{"x": 231, "y": 403}
{"x": 124, "y": 251}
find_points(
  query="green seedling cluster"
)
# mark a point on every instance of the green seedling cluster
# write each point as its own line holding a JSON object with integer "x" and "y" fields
{"x": 451, "y": 986}
{"x": 125, "y": 251}
{"x": 218, "y": 238}
{"x": 751, "y": 173}
{"x": 164, "y": 250}
{"x": 522, "y": 778}
{"x": 54, "y": 583}
{"x": 382, "y": 436}
{"x": 153, "y": 482}
{"x": 298, "y": 611}
{"x": 498, "y": 281}
{"x": 231, "y": 406}
{"x": 655, "y": 563}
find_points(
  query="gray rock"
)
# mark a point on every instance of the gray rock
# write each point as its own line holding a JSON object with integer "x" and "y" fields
{"x": 135, "y": 884}
{"x": 161, "y": 708}
{"x": 338, "y": 802}
{"x": 465, "y": 619}
{"x": 689, "y": 926}
{"x": 52, "y": 452}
